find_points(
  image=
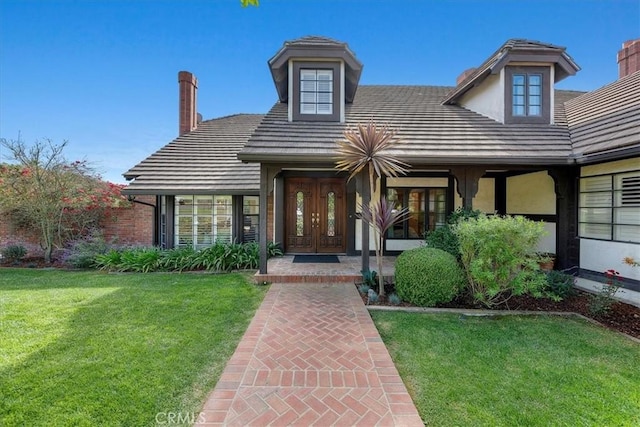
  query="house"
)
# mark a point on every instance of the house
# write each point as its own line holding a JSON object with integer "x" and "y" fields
{"x": 503, "y": 140}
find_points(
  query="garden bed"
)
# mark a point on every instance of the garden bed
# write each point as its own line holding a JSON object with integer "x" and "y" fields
{"x": 621, "y": 317}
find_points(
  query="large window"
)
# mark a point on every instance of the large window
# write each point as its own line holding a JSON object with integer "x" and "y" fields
{"x": 316, "y": 91}
{"x": 427, "y": 211}
{"x": 201, "y": 221}
{"x": 610, "y": 207}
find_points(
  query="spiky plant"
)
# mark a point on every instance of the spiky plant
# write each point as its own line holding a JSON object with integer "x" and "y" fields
{"x": 382, "y": 216}
{"x": 365, "y": 149}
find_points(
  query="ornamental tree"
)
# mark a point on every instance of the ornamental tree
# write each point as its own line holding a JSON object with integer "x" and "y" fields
{"x": 365, "y": 150}
{"x": 40, "y": 189}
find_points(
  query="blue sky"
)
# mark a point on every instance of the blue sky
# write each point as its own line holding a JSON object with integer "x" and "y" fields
{"x": 103, "y": 74}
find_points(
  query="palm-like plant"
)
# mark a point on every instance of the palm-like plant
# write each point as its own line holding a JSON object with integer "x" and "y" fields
{"x": 366, "y": 147}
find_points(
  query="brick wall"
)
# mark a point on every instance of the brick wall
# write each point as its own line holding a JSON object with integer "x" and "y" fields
{"x": 128, "y": 226}
{"x": 133, "y": 225}
{"x": 270, "y": 218}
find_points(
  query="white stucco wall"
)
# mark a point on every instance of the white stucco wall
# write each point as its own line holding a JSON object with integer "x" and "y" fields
{"x": 488, "y": 98}
{"x": 611, "y": 167}
{"x": 602, "y": 255}
{"x": 485, "y": 200}
{"x": 532, "y": 193}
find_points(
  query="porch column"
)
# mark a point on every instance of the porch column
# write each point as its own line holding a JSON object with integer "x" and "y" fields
{"x": 467, "y": 178}
{"x": 567, "y": 241}
{"x": 264, "y": 193}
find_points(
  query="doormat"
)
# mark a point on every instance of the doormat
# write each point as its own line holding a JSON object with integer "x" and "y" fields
{"x": 319, "y": 259}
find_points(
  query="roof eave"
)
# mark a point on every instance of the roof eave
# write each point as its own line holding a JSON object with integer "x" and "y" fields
{"x": 618, "y": 154}
{"x": 177, "y": 191}
{"x": 444, "y": 160}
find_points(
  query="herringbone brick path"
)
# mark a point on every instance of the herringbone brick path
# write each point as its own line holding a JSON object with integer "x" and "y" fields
{"x": 311, "y": 356}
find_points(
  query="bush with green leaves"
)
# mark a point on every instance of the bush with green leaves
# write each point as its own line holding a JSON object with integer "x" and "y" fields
{"x": 428, "y": 276}
{"x": 220, "y": 257}
{"x": 13, "y": 253}
{"x": 444, "y": 238}
{"x": 559, "y": 285}
{"x": 498, "y": 254}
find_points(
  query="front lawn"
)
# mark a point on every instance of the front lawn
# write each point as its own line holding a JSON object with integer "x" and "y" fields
{"x": 510, "y": 370}
{"x": 87, "y": 348}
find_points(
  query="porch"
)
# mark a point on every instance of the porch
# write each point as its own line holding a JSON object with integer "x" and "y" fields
{"x": 347, "y": 270}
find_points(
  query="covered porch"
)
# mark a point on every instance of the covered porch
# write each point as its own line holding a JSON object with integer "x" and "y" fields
{"x": 347, "y": 270}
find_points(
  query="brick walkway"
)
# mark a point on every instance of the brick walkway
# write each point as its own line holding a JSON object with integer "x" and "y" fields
{"x": 311, "y": 356}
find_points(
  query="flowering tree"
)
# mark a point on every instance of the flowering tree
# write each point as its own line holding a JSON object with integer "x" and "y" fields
{"x": 60, "y": 199}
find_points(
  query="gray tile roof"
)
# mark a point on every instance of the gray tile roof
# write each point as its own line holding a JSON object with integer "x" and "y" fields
{"x": 499, "y": 58}
{"x": 432, "y": 132}
{"x": 202, "y": 161}
{"x": 606, "y": 120}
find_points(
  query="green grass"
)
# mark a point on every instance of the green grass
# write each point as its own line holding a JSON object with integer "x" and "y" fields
{"x": 87, "y": 348}
{"x": 514, "y": 371}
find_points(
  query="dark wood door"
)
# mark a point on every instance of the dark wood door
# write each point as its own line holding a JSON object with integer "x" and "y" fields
{"x": 315, "y": 217}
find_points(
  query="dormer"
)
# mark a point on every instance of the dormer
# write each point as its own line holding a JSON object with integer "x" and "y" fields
{"x": 316, "y": 77}
{"x": 516, "y": 84}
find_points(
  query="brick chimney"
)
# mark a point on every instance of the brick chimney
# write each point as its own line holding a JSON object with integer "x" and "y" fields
{"x": 188, "y": 112}
{"x": 629, "y": 58}
{"x": 466, "y": 73}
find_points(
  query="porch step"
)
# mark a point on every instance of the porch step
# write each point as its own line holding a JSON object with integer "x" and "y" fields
{"x": 309, "y": 278}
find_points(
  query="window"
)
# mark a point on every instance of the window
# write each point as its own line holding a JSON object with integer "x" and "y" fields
{"x": 427, "y": 211}
{"x": 201, "y": 221}
{"x": 527, "y": 95}
{"x": 316, "y": 91}
{"x": 251, "y": 219}
{"x": 610, "y": 207}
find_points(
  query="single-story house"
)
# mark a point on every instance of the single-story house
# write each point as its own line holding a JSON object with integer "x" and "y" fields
{"x": 503, "y": 140}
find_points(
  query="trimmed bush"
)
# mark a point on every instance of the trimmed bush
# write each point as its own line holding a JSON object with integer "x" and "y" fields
{"x": 428, "y": 276}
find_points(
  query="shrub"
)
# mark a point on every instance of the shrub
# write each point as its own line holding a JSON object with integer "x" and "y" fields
{"x": 559, "y": 285}
{"x": 13, "y": 253}
{"x": 82, "y": 252}
{"x": 370, "y": 278}
{"x": 602, "y": 301}
{"x": 273, "y": 249}
{"x": 428, "y": 276}
{"x": 498, "y": 255}
{"x": 394, "y": 299}
{"x": 363, "y": 288}
{"x": 218, "y": 258}
{"x": 444, "y": 238}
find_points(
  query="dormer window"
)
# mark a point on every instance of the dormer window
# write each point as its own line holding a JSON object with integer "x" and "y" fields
{"x": 527, "y": 95}
{"x": 316, "y": 91}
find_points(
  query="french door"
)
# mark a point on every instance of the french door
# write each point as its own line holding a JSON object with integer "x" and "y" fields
{"x": 315, "y": 216}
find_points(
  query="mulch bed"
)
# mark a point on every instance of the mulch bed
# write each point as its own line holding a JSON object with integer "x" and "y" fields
{"x": 621, "y": 317}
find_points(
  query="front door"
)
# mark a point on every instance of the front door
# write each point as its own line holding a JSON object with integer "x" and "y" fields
{"x": 315, "y": 217}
